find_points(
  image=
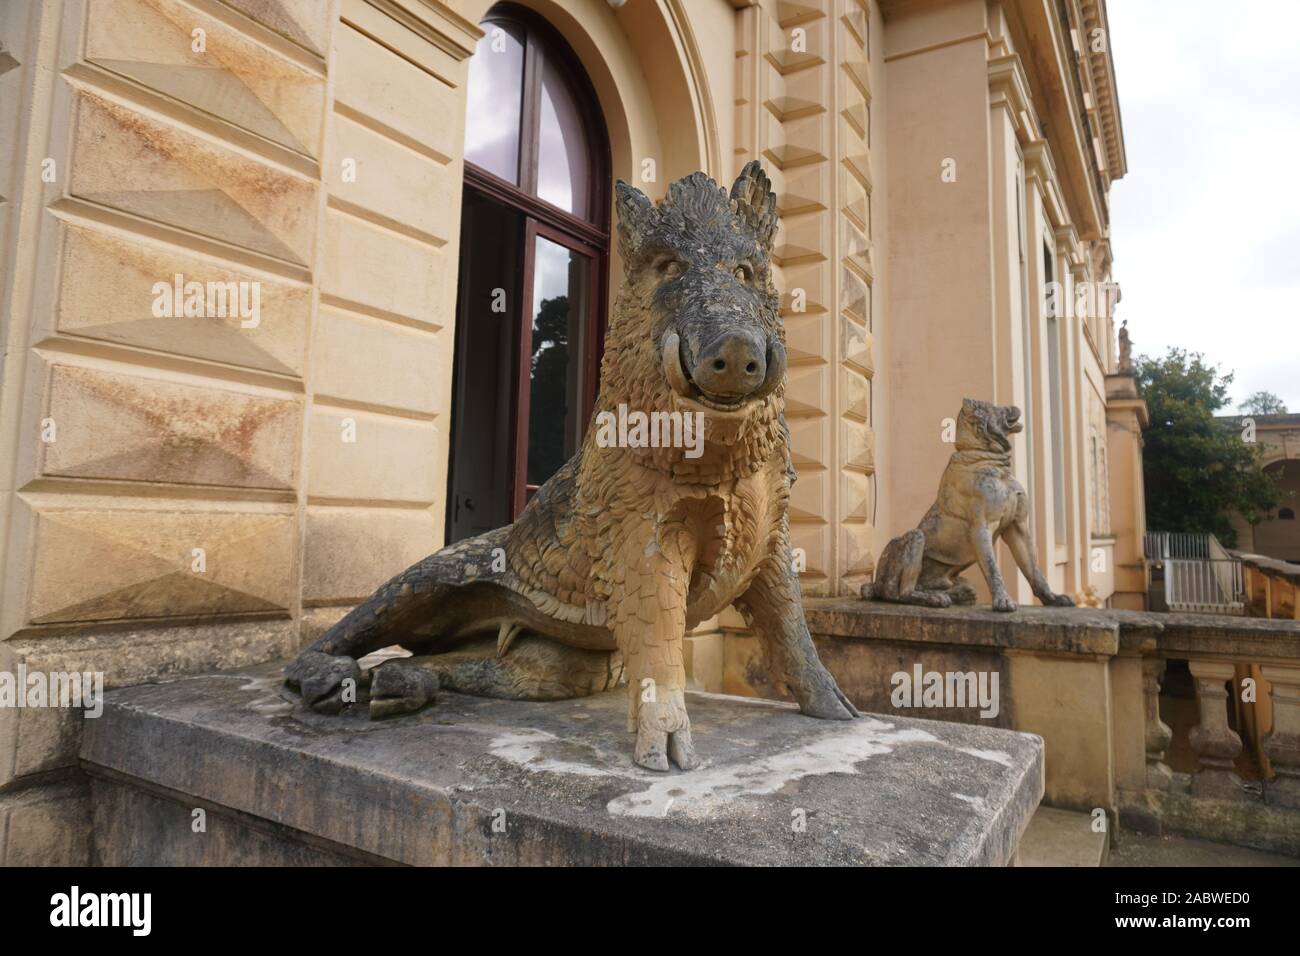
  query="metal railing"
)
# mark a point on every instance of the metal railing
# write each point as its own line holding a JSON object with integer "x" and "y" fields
{"x": 1163, "y": 545}
{"x": 1208, "y": 587}
{"x": 1197, "y": 572}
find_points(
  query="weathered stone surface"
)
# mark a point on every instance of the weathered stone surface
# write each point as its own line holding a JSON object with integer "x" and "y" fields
{"x": 345, "y": 470}
{"x": 1245, "y": 822}
{"x": 46, "y": 826}
{"x": 304, "y": 22}
{"x": 43, "y": 739}
{"x": 1075, "y": 631}
{"x": 410, "y": 102}
{"x": 1062, "y": 838}
{"x": 378, "y": 269}
{"x": 426, "y": 789}
{"x": 386, "y": 180}
{"x": 350, "y": 551}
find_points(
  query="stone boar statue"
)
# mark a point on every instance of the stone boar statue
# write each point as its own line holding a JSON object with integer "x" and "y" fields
{"x": 631, "y": 543}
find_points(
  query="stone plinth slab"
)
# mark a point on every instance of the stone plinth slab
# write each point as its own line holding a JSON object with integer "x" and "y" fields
{"x": 477, "y": 781}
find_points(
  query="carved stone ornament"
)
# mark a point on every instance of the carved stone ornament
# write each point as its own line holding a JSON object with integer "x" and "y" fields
{"x": 979, "y": 502}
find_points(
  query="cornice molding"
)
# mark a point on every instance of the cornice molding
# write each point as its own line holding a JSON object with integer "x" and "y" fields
{"x": 1102, "y": 66}
{"x": 434, "y": 21}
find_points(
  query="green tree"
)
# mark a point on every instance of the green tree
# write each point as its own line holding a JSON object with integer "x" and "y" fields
{"x": 1262, "y": 403}
{"x": 548, "y": 407}
{"x": 1197, "y": 468}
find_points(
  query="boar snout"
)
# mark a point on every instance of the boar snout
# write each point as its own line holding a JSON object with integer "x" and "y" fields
{"x": 733, "y": 366}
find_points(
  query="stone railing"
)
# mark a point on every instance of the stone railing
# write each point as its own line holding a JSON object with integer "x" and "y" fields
{"x": 1143, "y": 714}
{"x": 1223, "y": 739}
{"x": 1271, "y": 586}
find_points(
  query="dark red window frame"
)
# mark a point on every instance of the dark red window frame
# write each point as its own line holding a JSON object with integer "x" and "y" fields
{"x": 587, "y": 237}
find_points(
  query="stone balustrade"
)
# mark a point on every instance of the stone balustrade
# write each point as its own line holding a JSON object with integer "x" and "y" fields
{"x": 1271, "y": 586}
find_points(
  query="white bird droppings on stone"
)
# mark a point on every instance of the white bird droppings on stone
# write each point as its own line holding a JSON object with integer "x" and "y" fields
{"x": 997, "y": 756}
{"x": 702, "y": 792}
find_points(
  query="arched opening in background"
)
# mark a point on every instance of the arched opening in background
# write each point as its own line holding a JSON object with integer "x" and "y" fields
{"x": 1278, "y": 536}
{"x": 534, "y": 262}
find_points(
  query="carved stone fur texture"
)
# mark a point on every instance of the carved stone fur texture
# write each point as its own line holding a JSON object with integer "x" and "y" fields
{"x": 628, "y": 546}
{"x": 979, "y": 502}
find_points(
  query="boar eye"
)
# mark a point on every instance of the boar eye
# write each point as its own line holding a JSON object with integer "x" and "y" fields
{"x": 743, "y": 272}
{"x": 671, "y": 268}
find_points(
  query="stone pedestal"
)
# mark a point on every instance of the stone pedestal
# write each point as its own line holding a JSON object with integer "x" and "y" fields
{"x": 230, "y": 769}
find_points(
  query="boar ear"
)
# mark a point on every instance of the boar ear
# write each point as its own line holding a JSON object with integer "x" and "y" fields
{"x": 636, "y": 215}
{"x": 968, "y": 406}
{"x": 755, "y": 202}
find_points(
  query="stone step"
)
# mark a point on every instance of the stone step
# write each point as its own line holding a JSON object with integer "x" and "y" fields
{"x": 1057, "y": 837}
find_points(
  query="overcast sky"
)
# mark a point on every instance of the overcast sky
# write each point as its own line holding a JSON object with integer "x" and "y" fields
{"x": 1205, "y": 226}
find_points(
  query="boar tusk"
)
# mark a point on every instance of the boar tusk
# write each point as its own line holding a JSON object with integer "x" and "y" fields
{"x": 672, "y": 360}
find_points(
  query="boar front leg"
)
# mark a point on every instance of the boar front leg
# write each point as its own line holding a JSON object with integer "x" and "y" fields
{"x": 649, "y": 628}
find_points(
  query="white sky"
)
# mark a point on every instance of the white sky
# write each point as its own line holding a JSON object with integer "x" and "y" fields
{"x": 1205, "y": 226}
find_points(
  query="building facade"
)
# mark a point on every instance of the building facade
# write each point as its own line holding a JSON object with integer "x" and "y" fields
{"x": 275, "y": 274}
{"x": 1277, "y": 535}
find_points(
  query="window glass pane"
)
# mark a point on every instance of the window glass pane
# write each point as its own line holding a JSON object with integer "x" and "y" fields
{"x": 557, "y": 387}
{"x": 562, "y": 173}
{"x": 496, "y": 84}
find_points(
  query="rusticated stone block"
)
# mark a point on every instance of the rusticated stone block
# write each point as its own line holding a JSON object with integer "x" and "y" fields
{"x": 305, "y": 22}
{"x": 142, "y": 164}
{"x": 856, "y": 557}
{"x": 93, "y": 565}
{"x": 361, "y": 359}
{"x": 376, "y": 82}
{"x": 131, "y": 428}
{"x": 107, "y": 294}
{"x": 340, "y": 469}
{"x": 232, "y": 77}
{"x": 857, "y": 447}
{"x": 854, "y": 397}
{"x": 855, "y": 497}
{"x": 391, "y": 181}
{"x": 385, "y": 271}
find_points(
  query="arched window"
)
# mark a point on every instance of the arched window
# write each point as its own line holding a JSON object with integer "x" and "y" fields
{"x": 533, "y": 269}
{"x": 1286, "y": 514}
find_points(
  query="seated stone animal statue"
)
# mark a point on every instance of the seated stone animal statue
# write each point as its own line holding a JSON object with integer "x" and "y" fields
{"x": 979, "y": 501}
{"x": 631, "y": 543}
